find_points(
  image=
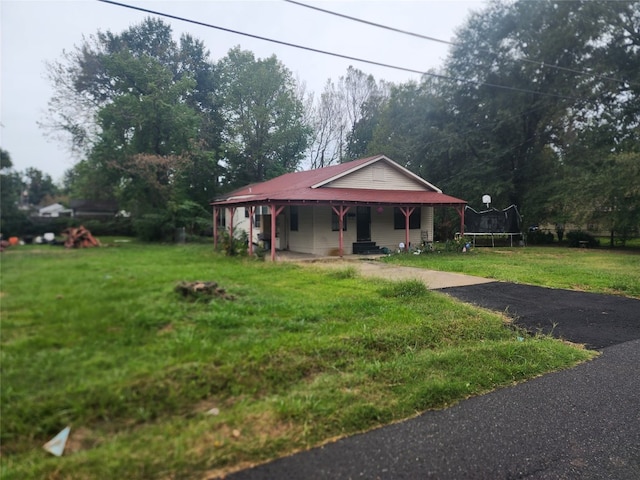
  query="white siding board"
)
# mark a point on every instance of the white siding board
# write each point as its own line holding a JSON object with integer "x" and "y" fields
{"x": 303, "y": 240}
{"x": 327, "y": 240}
{"x": 379, "y": 176}
{"x": 383, "y": 233}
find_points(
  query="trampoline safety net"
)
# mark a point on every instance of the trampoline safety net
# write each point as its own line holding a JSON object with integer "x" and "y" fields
{"x": 492, "y": 220}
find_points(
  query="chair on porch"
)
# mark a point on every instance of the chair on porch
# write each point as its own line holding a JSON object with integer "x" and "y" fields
{"x": 425, "y": 243}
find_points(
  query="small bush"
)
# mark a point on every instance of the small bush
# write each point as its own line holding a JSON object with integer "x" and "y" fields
{"x": 457, "y": 245}
{"x": 233, "y": 246}
{"x": 538, "y": 237}
{"x": 153, "y": 227}
{"x": 575, "y": 238}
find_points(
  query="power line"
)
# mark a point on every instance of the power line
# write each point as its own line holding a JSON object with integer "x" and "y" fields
{"x": 455, "y": 44}
{"x": 338, "y": 55}
{"x": 379, "y": 25}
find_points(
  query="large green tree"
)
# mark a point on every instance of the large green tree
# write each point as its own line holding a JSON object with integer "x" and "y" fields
{"x": 533, "y": 95}
{"x": 38, "y": 186}
{"x": 265, "y": 135}
{"x": 142, "y": 109}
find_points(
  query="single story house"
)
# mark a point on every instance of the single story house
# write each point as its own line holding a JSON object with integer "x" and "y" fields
{"x": 354, "y": 207}
{"x": 55, "y": 210}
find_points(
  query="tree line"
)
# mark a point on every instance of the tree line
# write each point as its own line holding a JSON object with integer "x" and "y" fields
{"x": 537, "y": 104}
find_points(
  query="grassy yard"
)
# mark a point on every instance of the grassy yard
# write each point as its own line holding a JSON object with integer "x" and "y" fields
{"x": 154, "y": 386}
{"x": 594, "y": 270}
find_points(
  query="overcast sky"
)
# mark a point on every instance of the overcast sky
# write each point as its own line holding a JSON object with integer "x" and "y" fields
{"x": 36, "y": 32}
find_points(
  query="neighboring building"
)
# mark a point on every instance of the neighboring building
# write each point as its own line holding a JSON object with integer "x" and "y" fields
{"x": 354, "y": 207}
{"x": 94, "y": 209}
{"x": 55, "y": 210}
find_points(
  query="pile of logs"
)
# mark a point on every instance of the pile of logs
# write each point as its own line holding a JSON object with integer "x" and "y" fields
{"x": 79, "y": 237}
{"x": 202, "y": 291}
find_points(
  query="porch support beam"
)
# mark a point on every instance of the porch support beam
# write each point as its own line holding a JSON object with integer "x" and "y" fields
{"x": 275, "y": 211}
{"x": 406, "y": 211}
{"x": 216, "y": 215}
{"x": 232, "y": 211}
{"x": 252, "y": 211}
{"x": 460, "y": 211}
{"x": 341, "y": 211}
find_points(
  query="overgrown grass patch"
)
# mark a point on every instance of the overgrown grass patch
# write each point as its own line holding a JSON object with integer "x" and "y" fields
{"x": 594, "y": 270}
{"x": 97, "y": 339}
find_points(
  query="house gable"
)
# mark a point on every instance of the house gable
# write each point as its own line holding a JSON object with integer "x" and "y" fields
{"x": 379, "y": 176}
{"x": 379, "y": 173}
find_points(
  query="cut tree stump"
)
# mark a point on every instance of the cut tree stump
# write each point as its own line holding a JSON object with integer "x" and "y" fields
{"x": 202, "y": 290}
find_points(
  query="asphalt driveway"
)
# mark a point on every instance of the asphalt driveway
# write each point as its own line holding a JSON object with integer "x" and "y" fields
{"x": 582, "y": 423}
{"x": 596, "y": 320}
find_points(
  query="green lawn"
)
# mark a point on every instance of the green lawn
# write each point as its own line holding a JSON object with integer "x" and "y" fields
{"x": 97, "y": 339}
{"x": 594, "y": 270}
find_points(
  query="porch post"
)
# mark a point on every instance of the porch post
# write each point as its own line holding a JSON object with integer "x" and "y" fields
{"x": 252, "y": 210}
{"x": 233, "y": 212}
{"x": 460, "y": 211}
{"x": 275, "y": 211}
{"x": 341, "y": 212}
{"x": 216, "y": 215}
{"x": 407, "y": 211}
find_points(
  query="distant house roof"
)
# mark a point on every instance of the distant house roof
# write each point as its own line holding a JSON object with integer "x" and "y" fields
{"x": 53, "y": 210}
{"x": 312, "y": 186}
{"x": 91, "y": 208}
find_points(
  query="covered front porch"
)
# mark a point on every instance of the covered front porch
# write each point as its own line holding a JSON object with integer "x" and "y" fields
{"x": 332, "y": 229}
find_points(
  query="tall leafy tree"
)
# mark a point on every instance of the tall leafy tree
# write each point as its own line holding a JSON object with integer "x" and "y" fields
{"x": 11, "y": 188}
{"x": 265, "y": 135}
{"x": 563, "y": 103}
{"x": 38, "y": 186}
{"x": 143, "y": 110}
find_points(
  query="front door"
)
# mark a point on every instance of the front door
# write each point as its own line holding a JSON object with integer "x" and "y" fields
{"x": 363, "y": 221}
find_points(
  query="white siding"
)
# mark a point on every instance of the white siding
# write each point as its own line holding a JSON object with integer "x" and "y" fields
{"x": 383, "y": 233}
{"x": 303, "y": 241}
{"x": 379, "y": 176}
{"x": 327, "y": 240}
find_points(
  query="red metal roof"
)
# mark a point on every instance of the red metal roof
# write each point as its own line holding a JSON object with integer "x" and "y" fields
{"x": 306, "y": 188}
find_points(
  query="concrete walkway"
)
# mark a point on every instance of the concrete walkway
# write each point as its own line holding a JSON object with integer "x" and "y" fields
{"x": 371, "y": 267}
{"x": 432, "y": 278}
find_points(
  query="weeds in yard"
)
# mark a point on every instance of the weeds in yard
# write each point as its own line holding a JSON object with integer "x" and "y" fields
{"x": 593, "y": 270}
{"x": 98, "y": 340}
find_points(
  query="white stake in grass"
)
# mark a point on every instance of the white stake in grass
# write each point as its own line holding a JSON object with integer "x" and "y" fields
{"x": 56, "y": 445}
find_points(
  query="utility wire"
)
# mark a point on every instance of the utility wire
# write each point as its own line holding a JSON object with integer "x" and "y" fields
{"x": 455, "y": 44}
{"x": 338, "y": 55}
